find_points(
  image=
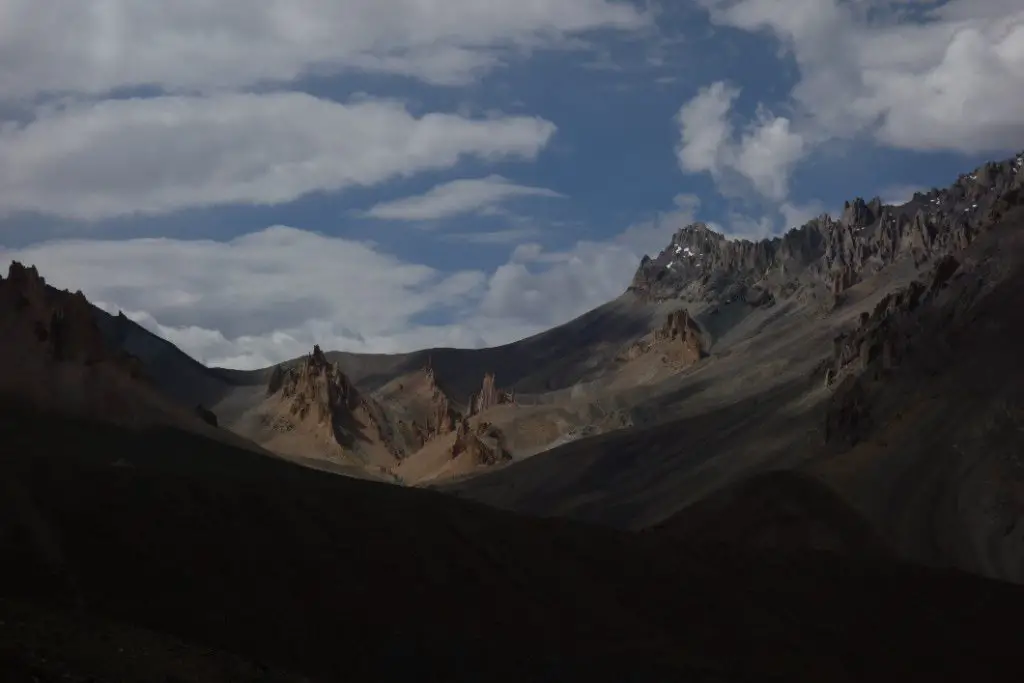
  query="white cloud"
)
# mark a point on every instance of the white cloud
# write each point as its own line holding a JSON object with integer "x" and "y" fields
{"x": 539, "y": 289}
{"x": 795, "y": 215}
{"x": 900, "y": 194}
{"x": 161, "y": 154}
{"x": 455, "y": 198}
{"x": 946, "y": 77}
{"x": 495, "y": 237}
{"x": 767, "y": 154}
{"x": 705, "y": 130}
{"x": 763, "y": 156}
{"x": 279, "y": 275}
{"x": 935, "y": 76}
{"x": 526, "y": 252}
{"x": 94, "y": 46}
{"x": 741, "y": 226}
{"x": 264, "y": 296}
{"x": 270, "y": 295}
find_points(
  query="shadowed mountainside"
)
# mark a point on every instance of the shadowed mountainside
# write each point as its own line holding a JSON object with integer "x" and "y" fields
{"x": 296, "y": 570}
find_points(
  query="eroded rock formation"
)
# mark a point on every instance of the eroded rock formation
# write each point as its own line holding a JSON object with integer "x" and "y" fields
{"x": 682, "y": 335}
{"x": 315, "y": 387}
{"x": 489, "y": 396}
{"x": 679, "y": 340}
{"x": 315, "y": 396}
{"x": 442, "y": 417}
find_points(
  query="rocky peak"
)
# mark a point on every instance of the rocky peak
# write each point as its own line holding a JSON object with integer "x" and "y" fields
{"x": 697, "y": 264}
{"x": 62, "y": 322}
{"x": 315, "y": 387}
{"x": 858, "y": 212}
{"x": 701, "y": 265}
{"x": 318, "y": 358}
{"x": 25, "y": 280}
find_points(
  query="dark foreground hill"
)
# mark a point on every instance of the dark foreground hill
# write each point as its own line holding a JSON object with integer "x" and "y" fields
{"x": 158, "y": 555}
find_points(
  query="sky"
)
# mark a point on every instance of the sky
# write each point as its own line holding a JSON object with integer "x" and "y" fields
{"x": 249, "y": 178}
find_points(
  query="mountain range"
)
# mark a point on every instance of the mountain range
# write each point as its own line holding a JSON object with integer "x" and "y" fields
{"x": 796, "y": 458}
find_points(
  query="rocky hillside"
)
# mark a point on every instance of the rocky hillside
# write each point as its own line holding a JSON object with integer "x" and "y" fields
{"x": 878, "y": 352}
{"x": 56, "y": 357}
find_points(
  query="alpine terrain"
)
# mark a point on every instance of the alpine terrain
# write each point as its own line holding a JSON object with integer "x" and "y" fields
{"x": 794, "y": 459}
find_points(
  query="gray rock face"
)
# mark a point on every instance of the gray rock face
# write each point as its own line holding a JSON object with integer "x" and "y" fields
{"x": 700, "y": 264}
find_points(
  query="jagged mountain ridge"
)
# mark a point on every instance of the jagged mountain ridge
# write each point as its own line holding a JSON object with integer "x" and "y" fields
{"x": 700, "y": 264}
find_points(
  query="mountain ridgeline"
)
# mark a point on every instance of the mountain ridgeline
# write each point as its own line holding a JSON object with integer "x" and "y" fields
{"x": 702, "y": 265}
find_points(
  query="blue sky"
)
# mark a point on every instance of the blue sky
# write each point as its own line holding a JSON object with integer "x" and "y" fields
{"x": 382, "y": 175}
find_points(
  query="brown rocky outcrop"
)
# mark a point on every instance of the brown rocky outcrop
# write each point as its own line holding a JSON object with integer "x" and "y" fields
{"x": 483, "y": 443}
{"x": 314, "y": 395}
{"x": 679, "y": 339}
{"x": 315, "y": 386}
{"x": 489, "y": 396}
{"x": 443, "y": 416}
